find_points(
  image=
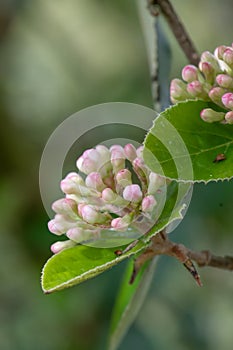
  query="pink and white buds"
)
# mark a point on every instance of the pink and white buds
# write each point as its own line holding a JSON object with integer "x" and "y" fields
{"x": 90, "y": 206}
{"x": 228, "y": 57}
{"x": 124, "y": 177}
{"x": 94, "y": 180}
{"x": 215, "y": 94}
{"x": 211, "y": 81}
{"x": 190, "y": 73}
{"x": 178, "y": 90}
{"x": 132, "y": 193}
{"x": 148, "y": 203}
{"x": 130, "y": 152}
{"x": 60, "y": 224}
{"x": 80, "y": 235}
{"x": 71, "y": 183}
{"x": 155, "y": 182}
{"x": 65, "y": 206}
{"x": 91, "y": 215}
{"x": 229, "y": 117}
{"x": 227, "y": 100}
{"x": 121, "y": 224}
{"x": 208, "y": 70}
{"x": 211, "y": 116}
{"x": 196, "y": 89}
{"x": 57, "y": 247}
{"x": 224, "y": 81}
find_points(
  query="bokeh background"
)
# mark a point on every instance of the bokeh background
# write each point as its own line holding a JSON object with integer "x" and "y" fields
{"x": 57, "y": 57}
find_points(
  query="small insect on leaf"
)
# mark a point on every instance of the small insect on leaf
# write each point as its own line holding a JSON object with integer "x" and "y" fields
{"x": 118, "y": 252}
{"x": 219, "y": 158}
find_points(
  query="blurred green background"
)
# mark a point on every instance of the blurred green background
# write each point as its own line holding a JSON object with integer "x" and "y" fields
{"x": 57, "y": 57}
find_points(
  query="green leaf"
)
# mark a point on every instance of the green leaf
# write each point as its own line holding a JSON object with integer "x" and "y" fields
{"x": 181, "y": 146}
{"x": 78, "y": 264}
{"x": 129, "y": 301}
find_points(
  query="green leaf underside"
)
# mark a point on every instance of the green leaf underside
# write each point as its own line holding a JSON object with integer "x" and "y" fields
{"x": 78, "y": 264}
{"x": 129, "y": 301}
{"x": 202, "y": 142}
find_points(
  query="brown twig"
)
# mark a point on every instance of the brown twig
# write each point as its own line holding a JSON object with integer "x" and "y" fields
{"x": 161, "y": 245}
{"x": 177, "y": 28}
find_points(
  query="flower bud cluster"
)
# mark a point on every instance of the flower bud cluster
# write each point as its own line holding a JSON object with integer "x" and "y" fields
{"x": 212, "y": 81}
{"x": 116, "y": 189}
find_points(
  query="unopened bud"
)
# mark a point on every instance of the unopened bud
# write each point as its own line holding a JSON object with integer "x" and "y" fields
{"x": 196, "y": 89}
{"x": 178, "y": 90}
{"x": 60, "y": 224}
{"x": 57, "y": 247}
{"x": 211, "y": 116}
{"x": 91, "y": 215}
{"x": 215, "y": 94}
{"x": 225, "y": 81}
{"x": 229, "y": 117}
{"x": 124, "y": 177}
{"x": 210, "y": 58}
{"x": 132, "y": 193}
{"x": 190, "y": 73}
{"x": 227, "y": 100}
{"x": 148, "y": 203}
{"x": 121, "y": 224}
{"x": 94, "y": 180}
{"x": 80, "y": 235}
{"x": 65, "y": 206}
{"x": 228, "y": 57}
{"x": 219, "y": 51}
{"x": 207, "y": 69}
{"x": 117, "y": 158}
{"x": 155, "y": 182}
{"x": 130, "y": 152}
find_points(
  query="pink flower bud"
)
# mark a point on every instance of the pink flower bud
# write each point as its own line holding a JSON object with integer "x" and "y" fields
{"x": 155, "y": 182}
{"x": 108, "y": 195}
{"x": 80, "y": 235}
{"x": 57, "y": 247}
{"x": 207, "y": 69}
{"x": 190, "y": 73}
{"x": 211, "y": 116}
{"x": 94, "y": 180}
{"x": 224, "y": 81}
{"x": 229, "y": 117}
{"x": 87, "y": 165}
{"x": 178, "y": 90}
{"x": 227, "y": 100}
{"x": 219, "y": 51}
{"x": 65, "y": 206}
{"x": 121, "y": 224}
{"x": 228, "y": 56}
{"x": 104, "y": 153}
{"x": 91, "y": 215}
{"x": 210, "y": 58}
{"x": 132, "y": 193}
{"x": 196, "y": 89}
{"x": 92, "y": 154}
{"x": 60, "y": 224}
{"x": 123, "y": 177}
{"x": 215, "y": 94}
{"x": 148, "y": 203}
{"x": 76, "y": 234}
{"x": 130, "y": 152}
{"x": 117, "y": 159}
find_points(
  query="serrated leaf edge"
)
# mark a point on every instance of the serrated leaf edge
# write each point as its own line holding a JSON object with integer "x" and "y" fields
{"x": 179, "y": 180}
{"x": 86, "y": 275}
